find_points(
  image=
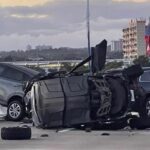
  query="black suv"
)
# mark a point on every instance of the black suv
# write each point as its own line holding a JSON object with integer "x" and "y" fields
{"x": 144, "y": 81}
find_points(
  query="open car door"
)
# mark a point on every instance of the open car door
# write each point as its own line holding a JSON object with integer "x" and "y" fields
{"x": 97, "y": 58}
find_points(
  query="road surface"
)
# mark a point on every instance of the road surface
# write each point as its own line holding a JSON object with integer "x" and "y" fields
{"x": 78, "y": 140}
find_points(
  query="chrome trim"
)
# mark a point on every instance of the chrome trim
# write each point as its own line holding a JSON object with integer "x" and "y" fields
{"x": 37, "y": 122}
{"x": 132, "y": 96}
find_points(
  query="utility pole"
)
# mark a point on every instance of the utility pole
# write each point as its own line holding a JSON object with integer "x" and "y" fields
{"x": 88, "y": 32}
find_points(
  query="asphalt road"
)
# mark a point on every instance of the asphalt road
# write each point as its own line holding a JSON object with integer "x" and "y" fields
{"x": 78, "y": 140}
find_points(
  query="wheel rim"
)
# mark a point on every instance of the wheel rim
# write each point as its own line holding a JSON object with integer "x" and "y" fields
{"x": 148, "y": 108}
{"x": 14, "y": 110}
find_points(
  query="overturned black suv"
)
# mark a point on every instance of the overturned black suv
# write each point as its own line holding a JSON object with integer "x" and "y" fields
{"x": 96, "y": 99}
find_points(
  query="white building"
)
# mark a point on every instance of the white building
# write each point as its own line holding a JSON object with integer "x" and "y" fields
{"x": 133, "y": 39}
{"x": 117, "y": 45}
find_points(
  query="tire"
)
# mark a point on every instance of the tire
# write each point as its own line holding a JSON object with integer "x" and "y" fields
{"x": 147, "y": 104}
{"x": 133, "y": 71}
{"x": 144, "y": 121}
{"x": 16, "y": 133}
{"x": 145, "y": 110}
{"x": 139, "y": 123}
{"x": 118, "y": 97}
{"x": 15, "y": 111}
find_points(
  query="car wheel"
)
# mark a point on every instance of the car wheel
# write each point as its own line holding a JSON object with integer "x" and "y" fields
{"x": 144, "y": 108}
{"x": 147, "y": 107}
{"x": 139, "y": 123}
{"x": 16, "y": 133}
{"x": 144, "y": 121}
{"x": 15, "y": 111}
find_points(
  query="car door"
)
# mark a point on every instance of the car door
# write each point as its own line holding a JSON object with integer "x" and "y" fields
{"x": 145, "y": 80}
{"x": 10, "y": 83}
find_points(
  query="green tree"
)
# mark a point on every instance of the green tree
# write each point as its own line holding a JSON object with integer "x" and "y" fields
{"x": 8, "y": 58}
{"x": 113, "y": 65}
{"x": 69, "y": 66}
{"x": 142, "y": 60}
{"x": 66, "y": 66}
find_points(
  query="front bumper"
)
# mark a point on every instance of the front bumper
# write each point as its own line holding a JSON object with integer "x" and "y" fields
{"x": 3, "y": 111}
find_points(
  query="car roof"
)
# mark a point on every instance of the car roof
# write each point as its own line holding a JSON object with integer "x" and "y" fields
{"x": 27, "y": 70}
{"x": 120, "y": 69}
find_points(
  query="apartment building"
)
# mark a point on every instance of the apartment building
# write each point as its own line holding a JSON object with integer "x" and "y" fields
{"x": 134, "y": 39}
{"x": 117, "y": 45}
{"x": 147, "y": 38}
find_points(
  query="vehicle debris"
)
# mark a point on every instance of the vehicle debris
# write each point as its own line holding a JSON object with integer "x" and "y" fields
{"x": 70, "y": 99}
{"x": 16, "y": 133}
{"x": 105, "y": 134}
{"x": 44, "y": 135}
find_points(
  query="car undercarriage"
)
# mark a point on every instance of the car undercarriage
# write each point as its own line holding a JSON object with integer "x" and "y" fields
{"x": 97, "y": 99}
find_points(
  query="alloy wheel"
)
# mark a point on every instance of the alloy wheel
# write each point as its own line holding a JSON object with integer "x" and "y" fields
{"x": 14, "y": 110}
{"x": 148, "y": 108}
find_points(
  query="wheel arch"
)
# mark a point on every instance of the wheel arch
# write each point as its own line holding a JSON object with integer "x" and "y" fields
{"x": 13, "y": 100}
{"x": 16, "y": 97}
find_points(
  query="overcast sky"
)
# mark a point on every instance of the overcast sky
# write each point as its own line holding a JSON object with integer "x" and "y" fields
{"x": 62, "y": 23}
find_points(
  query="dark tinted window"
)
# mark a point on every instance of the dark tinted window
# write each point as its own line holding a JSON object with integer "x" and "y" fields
{"x": 26, "y": 77}
{"x": 1, "y": 69}
{"x": 146, "y": 76}
{"x": 13, "y": 74}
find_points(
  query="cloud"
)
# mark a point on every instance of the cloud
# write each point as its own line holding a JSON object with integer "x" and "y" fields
{"x": 136, "y": 1}
{"x": 74, "y": 39}
{"x": 102, "y": 23}
{"x": 14, "y": 3}
{"x": 64, "y": 39}
{"x": 37, "y": 16}
{"x": 63, "y": 22}
{"x": 52, "y": 18}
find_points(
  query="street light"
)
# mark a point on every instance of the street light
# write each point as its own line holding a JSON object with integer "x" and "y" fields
{"x": 88, "y": 31}
{"x": 88, "y": 26}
